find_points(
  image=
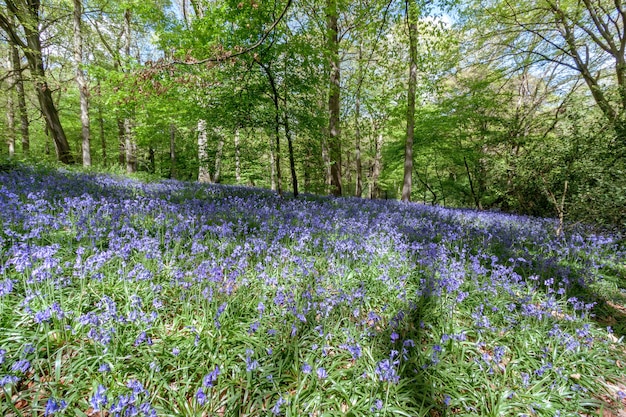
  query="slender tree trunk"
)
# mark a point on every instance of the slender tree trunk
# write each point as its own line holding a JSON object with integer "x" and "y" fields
{"x": 81, "y": 81}
{"x": 276, "y": 101}
{"x": 21, "y": 98}
{"x": 292, "y": 159}
{"x": 328, "y": 180}
{"x": 358, "y": 192}
{"x": 121, "y": 158}
{"x": 172, "y": 151}
{"x": 218, "y": 158}
{"x": 103, "y": 142}
{"x": 130, "y": 147}
{"x": 272, "y": 167}
{"x": 10, "y": 123}
{"x": 378, "y": 163}
{"x": 307, "y": 170}
{"x": 203, "y": 172}
{"x": 410, "y": 114}
{"x": 152, "y": 159}
{"x": 237, "y": 158}
{"x": 334, "y": 142}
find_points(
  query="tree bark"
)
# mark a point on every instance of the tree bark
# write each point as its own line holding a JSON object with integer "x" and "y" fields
{"x": 358, "y": 192}
{"x": 237, "y": 158}
{"x": 103, "y": 143}
{"x": 375, "y": 191}
{"x": 410, "y": 113}
{"x": 121, "y": 157}
{"x": 203, "y": 172}
{"x": 130, "y": 147}
{"x": 81, "y": 81}
{"x": 292, "y": 159}
{"x": 10, "y": 122}
{"x": 334, "y": 143}
{"x": 172, "y": 151}
{"x": 21, "y": 98}
{"x": 218, "y": 158}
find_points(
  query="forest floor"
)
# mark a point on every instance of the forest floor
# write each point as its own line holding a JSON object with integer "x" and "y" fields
{"x": 120, "y": 297}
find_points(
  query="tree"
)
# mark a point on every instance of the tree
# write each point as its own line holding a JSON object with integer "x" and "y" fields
{"x": 411, "y": 19}
{"x": 81, "y": 81}
{"x": 586, "y": 38}
{"x": 27, "y": 14}
{"x": 334, "y": 91}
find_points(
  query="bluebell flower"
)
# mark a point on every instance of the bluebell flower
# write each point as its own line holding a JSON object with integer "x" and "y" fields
{"x": 378, "y": 405}
{"x": 211, "y": 378}
{"x": 201, "y": 396}
{"x": 52, "y": 406}
{"x": 99, "y": 398}
{"x": 306, "y": 368}
{"x": 8, "y": 380}
{"x": 321, "y": 373}
{"x": 276, "y": 408}
{"x": 22, "y": 366}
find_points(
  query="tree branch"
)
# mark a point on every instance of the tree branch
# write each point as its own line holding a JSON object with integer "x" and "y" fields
{"x": 229, "y": 55}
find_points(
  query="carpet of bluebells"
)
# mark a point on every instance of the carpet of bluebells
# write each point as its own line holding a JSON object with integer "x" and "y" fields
{"x": 125, "y": 298}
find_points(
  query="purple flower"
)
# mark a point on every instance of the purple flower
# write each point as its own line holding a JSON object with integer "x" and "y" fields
{"x": 251, "y": 365}
{"x": 99, "y": 398}
{"x": 386, "y": 371}
{"x": 321, "y": 373}
{"x": 378, "y": 405}
{"x": 306, "y": 368}
{"x": 21, "y": 366}
{"x": 211, "y": 378}
{"x": 52, "y": 406}
{"x": 276, "y": 409}
{"x": 8, "y": 380}
{"x": 201, "y": 396}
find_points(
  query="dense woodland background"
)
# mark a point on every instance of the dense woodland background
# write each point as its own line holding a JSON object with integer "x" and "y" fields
{"x": 518, "y": 106}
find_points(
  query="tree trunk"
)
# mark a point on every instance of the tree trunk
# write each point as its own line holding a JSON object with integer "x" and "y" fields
{"x": 203, "y": 172}
{"x": 44, "y": 93}
{"x": 328, "y": 180}
{"x": 172, "y": 151}
{"x": 334, "y": 143}
{"x": 10, "y": 123}
{"x": 21, "y": 98}
{"x": 130, "y": 147}
{"x": 237, "y": 158}
{"x": 28, "y": 17}
{"x": 292, "y": 159}
{"x": 272, "y": 167}
{"x": 375, "y": 191}
{"x": 121, "y": 158}
{"x": 410, "y": 113}
{"x": 218, "y": 158}
{"x": 103, "y": 142}
{"x": 81, "y": 81}
{"x": 358, "y": 192}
